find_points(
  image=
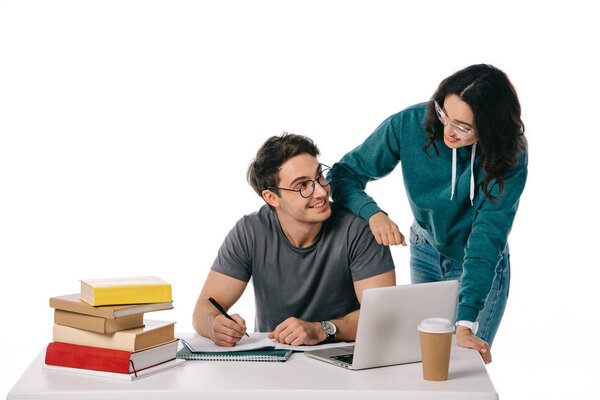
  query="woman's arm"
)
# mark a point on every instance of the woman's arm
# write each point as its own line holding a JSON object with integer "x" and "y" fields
{"x": 489, "y": 234}
{"x": 375, "y": 158}
{"x": 485, "y": 246}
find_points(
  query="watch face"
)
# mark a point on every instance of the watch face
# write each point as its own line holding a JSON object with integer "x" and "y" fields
{"x": 329, "y": 328}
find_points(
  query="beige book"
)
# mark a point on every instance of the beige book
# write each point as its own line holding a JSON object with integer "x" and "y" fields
{"x": 97, "y": 324}
{"x": 151, "y": 334}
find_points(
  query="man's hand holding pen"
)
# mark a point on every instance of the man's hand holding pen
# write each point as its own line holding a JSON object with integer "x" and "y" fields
{"x": 226, "y": 329}
{"x": 227, "y": 332}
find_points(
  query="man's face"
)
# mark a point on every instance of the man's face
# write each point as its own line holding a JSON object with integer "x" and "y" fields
{"x": 293, "y": 173}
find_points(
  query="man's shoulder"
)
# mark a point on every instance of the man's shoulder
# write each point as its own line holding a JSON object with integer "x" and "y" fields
{"x": 261, "y": 218}
{"x": 251, "y": 230}
{"x": 344, "y": 219}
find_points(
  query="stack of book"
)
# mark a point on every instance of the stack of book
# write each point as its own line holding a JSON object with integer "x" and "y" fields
{"x": 101, "y": 331}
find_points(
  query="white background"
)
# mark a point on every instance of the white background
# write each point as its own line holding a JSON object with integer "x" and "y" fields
{"x": 126, "y": 128}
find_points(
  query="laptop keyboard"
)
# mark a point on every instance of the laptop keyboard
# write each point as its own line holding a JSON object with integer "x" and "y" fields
{"x": 347, "y": 358}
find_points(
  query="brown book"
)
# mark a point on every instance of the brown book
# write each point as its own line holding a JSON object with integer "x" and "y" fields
{"x": 151, "y": 334}
{"x": 97, "y": 324}
{"x": 72, "y": 302}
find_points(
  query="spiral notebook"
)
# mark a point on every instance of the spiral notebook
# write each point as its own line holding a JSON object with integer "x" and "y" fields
{"x": 249, "y": 355}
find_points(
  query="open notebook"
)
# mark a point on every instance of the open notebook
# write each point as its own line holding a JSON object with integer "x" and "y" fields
{"x": 257, "y": 347}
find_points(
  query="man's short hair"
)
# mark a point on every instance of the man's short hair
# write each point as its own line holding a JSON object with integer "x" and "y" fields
{"x": 263, "y": 172}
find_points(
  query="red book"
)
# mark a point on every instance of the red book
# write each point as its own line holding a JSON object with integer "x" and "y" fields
{"x": 101, "y": 359}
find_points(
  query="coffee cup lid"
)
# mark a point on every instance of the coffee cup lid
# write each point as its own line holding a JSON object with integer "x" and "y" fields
{"x": 436, "y": 325}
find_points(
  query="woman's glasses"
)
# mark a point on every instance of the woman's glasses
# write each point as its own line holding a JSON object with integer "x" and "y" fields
{"x": 458, "y": 130}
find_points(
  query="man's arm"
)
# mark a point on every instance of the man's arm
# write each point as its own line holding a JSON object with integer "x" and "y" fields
{"x": 208, "y": 321}
{"x": 296, "y": 332}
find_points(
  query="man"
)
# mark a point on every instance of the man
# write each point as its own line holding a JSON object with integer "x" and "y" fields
{"x": 309, "y": 260}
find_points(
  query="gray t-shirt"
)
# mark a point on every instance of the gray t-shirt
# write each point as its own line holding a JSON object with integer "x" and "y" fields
{"x": 314, "y": 283}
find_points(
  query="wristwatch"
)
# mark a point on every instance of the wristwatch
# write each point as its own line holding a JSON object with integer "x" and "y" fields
{"x": 330, "y": 329}
{"x": 473, "y": 326}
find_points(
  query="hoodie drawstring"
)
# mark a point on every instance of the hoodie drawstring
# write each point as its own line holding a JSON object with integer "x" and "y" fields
{"x": 472, "y": 187}
{"x": 472, "y": 194}
{"x": 453, "y": 172}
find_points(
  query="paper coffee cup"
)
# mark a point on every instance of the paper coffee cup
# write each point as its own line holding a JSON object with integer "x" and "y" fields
{"x": 436, "y": 341}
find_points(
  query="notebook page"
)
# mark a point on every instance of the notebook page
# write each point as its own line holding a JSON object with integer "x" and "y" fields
{"x": 257, "y": 340}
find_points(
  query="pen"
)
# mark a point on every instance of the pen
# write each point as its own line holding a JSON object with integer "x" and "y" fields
{"x": 218, "y": 307}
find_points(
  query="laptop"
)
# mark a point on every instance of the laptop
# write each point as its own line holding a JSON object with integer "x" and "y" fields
{"x": 387, "y": 326}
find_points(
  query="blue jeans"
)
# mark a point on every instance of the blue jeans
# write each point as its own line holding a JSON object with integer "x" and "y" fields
{"x": 428, "y": 265}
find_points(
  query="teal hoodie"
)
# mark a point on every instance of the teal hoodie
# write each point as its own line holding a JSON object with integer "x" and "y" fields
{"x": 474, "y": 235}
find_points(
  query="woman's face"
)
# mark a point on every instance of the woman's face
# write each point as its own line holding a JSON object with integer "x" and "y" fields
{"x": 459, "y": 114}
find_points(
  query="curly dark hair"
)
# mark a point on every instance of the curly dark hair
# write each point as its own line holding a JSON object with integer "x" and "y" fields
{"x": 497, "y": 112}
{"x": 263, "y": 172}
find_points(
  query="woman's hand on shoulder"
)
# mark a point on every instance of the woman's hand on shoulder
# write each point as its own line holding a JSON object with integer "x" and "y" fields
{"x": 385, "y": 231}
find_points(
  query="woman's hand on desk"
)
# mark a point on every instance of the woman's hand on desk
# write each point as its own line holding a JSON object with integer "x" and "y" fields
{"x": 296, "y": 332}
{"x": 465, "y": 338}
{"x": 226, "y": 332}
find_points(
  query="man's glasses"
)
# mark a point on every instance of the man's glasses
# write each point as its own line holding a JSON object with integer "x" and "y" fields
{"x": 457, "y": 129}
{"x": 307, "y": 188}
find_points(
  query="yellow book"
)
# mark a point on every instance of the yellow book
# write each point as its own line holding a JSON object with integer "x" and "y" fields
{"x": 135, "y": 290}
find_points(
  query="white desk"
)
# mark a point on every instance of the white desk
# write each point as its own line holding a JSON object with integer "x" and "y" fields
{"x": 298, "y": 378}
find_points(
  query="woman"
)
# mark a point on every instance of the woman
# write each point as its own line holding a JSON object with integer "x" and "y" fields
{"x": 464, "y": 163}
